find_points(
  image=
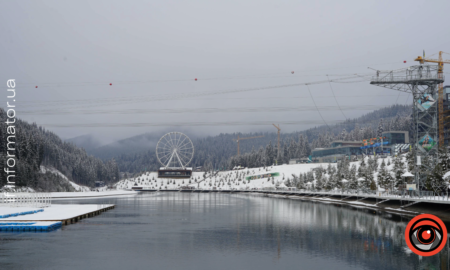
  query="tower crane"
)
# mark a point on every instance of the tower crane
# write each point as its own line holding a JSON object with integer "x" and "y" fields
{"x": 278, "y": 147}
{"x": 240, "y": 139}
{"x": 440, "y": 63}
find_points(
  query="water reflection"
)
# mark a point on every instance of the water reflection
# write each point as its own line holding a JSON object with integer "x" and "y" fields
{"x": 220, "y": 231}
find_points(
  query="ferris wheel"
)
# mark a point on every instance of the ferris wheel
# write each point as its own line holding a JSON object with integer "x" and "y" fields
{"x": 174, "y": 150}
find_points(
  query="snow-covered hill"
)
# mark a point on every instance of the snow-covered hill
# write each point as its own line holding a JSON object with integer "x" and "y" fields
{"x": 296, "y": 175}
{"x": 56, "y": 172}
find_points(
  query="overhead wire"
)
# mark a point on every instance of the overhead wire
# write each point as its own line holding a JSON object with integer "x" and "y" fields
{"x": 198, "y": 110}
{"x": 397, "y": 97}
{"x": 173, "y": 124}
{"x": 125, "y": 100}
{"x": 242, "y": 98}
{"x": 336, "y": 99}
{"x": 323, "y": 119}
{"x": 250, "y": 77}
{"x": 176, "y": 96}
{"x": 253, "y": 76}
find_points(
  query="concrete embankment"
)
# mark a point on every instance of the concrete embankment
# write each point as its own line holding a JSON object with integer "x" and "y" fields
{"x": 401, "y": 206}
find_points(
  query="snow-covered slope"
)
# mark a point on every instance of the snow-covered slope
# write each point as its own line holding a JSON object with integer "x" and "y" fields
{"x": 224, "y": 179}
{"x": 263, "y": 177}
{"x": 55, "y": 171}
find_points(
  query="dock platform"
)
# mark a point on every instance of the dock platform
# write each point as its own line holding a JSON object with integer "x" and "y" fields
{"x": 29, "y": 226}
{"x": 6, "y": 212}
{"x": 64, "y": 213}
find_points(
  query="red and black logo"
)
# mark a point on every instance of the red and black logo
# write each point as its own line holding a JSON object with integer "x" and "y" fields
{"x": 426, "y": 235}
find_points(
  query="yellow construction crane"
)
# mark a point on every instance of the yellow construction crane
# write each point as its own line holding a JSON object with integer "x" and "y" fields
{"x": 278, "y": 147}
{"x": 440, "y": 63}
{"x": 240, "y": 139}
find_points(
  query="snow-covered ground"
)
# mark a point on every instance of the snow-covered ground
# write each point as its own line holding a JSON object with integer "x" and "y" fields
{"x": 238, "y": 179}
{"x": 90, "y": 194}
{"x": 223, "y": 179}
{"x": 55, "y": 171}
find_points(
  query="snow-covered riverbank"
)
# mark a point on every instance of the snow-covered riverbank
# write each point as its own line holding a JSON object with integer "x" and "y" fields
{"x": 91, "y": 194}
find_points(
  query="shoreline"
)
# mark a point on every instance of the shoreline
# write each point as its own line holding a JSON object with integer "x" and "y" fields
{"x": 90, "y": 195}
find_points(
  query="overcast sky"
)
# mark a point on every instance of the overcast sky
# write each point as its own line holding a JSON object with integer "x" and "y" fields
{"x": 152, "y": 51}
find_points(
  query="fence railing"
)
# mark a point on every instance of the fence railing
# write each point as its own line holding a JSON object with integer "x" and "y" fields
{"x": 398, "y": 194}
{"x": 21, "y": 199}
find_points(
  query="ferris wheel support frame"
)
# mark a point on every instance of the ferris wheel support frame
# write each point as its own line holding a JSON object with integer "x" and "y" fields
{"x": 176, "y": 147}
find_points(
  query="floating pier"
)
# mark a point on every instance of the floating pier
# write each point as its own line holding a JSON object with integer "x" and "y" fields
{"x": 64, "y": 213}
{"x": 29, "y": 226}
{"x": 20, "y": 213}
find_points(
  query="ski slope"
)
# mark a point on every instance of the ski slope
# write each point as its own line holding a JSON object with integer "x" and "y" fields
{"x": 238, "y": 179}
{"x": 234, "y": 179}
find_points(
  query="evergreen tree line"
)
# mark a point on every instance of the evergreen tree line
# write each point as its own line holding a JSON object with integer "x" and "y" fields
{"x": 373, "y": 173}
{"x": 34, "y": 146}
{"x": 219, "y": 152}
{"x": 290, "y": 149}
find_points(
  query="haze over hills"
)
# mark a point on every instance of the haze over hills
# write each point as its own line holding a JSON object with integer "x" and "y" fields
{"x": 137, "y": 153}
{"x": 131, "y": 145}
{"x": 86, "y": 141}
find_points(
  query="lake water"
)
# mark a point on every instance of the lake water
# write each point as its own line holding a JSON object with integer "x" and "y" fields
{"x": 176, "y": 230}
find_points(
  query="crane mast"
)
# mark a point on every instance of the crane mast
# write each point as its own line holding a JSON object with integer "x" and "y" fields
{"x": 240, "y": 139}
{"x": 440, "y": 63}
{"x": 278, "y": 145}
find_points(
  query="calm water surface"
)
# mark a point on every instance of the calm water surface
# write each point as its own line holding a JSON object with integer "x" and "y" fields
{"x": 218, "y": 231}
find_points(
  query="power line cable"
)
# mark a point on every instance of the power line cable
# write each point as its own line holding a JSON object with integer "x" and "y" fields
{"x": 197, "y": 110}
{"x": 336, "y": 98}
{"x": 177, "y": 124}
{"x": 317, "y": 107}
{"x": 61, "y": 84}
{"x": 137, "y": 99}
{"x": 397, "y": 97}
{"x": 241, "y": 98}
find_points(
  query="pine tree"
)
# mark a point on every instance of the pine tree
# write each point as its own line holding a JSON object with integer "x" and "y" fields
{"x": 285, "y": 157}
{"x": 398, "y": 170}
{"x": 435, "y": 179}
{"x": 380, "y": 128}
{"x": 384, "y": 178}
{"x": 353, "y": 183}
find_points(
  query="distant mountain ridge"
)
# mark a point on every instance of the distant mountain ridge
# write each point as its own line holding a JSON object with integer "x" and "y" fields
{"x": 138, "y": 153}
{"x": 86, "y": 142}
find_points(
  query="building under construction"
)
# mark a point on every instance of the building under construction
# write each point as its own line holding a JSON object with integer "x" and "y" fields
{"x": 446, "y": 114}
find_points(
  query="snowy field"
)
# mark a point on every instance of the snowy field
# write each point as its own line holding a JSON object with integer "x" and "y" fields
{"x": 258, "y": 178}
{"x": 225, "y": 179}
{"x": 222, "y": 179}
{"x": 90, "y": 194}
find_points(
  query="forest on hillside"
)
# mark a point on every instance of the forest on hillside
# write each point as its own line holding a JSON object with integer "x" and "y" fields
{"x": 373, "y": 173}
{"x": 34, "y": 146}
{"x": 219, "y": 152}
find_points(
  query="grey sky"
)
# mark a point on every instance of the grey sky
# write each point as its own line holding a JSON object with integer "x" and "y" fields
{"x": 72, "y": 50}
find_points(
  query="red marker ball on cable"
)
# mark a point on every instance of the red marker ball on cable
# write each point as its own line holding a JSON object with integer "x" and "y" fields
{"x": 404, "y": 61}
{"x": 195, "y": 79}
{"x": 110, "y": 84}
{"x": 36, "y": 86}
{"x": 292, "y": 72}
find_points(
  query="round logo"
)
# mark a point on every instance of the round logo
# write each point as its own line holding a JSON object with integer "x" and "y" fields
{"x": 426, "y": 235}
